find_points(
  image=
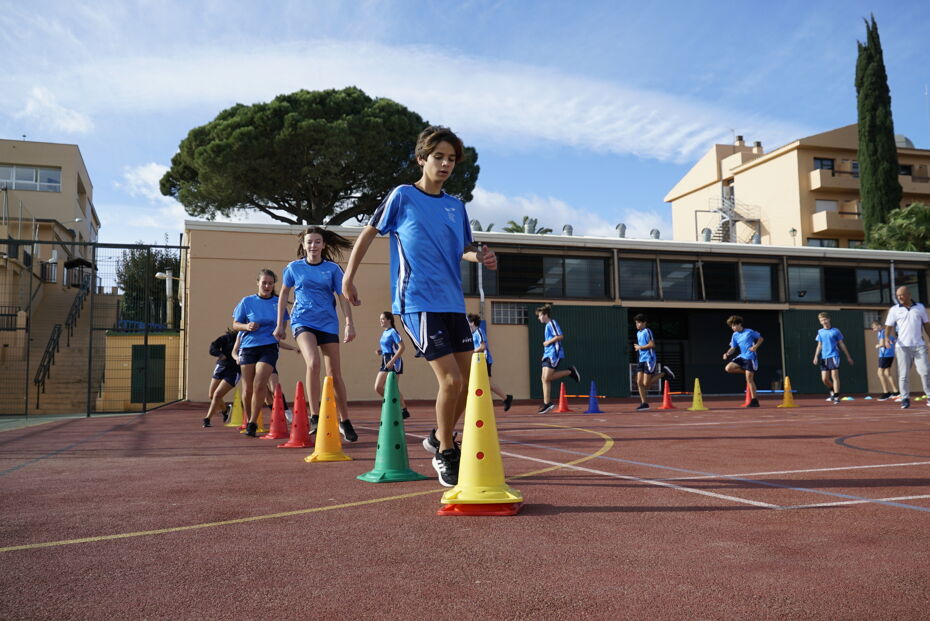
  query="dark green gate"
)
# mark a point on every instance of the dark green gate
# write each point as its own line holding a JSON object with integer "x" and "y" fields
{"x": 148, "y": 375}
{"x": 800, "y": 329}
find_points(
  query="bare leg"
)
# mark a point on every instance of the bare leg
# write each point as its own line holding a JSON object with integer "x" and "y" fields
{"x": 551, "y": 375}
{"x": 332, "y": 366}
{"x": 451, "y": 374}
{"x": 246, "y": 381}
{"x": 216, "y": 402}
{"x": 308, "y": 348}
{"x": 835, "y": 373}
{"x": 259, "y": 389}
{"x": 380, "y": 379}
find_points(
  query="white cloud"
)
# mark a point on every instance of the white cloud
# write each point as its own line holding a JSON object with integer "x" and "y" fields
{"x": 41, "y": 106}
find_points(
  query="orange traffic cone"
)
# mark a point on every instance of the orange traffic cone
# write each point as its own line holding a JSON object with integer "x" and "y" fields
{"x": 300, "y": 428}
{"x": 788, "y": 400}
{"x": 563, "y": 400}
{"x": 328, "y": 445}
{"x": 748, "y": 397}
{"x": 278, "y": 422}
{"x": 667, "y": 399}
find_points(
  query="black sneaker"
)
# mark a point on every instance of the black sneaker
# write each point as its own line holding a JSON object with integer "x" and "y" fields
{"x": 642, "y": 406}
{"x": 431, "y": 442}
{"x": 884, "y": 396}
{"x": 446, "y": 464}
{"x": 508, "y": 401}
{"x": 836, "y": 399}
{"x": 405, "y": 413}
{"x": 753, "y": 403}
{"x": 206, "y": 422}
{"x": 226, "y": 412}
{"x": 668, "y": 372}
{"x": 573, "y": 370}
{"x": 905, "y": 403}
{"x": 288, "y": 415}
{"x": 830, "y": 397}
{"x": 545, "y": 408}
{"x": 251, "y": 430}
{"x": 314, "y": 422}
{"x": 345, "y": 428}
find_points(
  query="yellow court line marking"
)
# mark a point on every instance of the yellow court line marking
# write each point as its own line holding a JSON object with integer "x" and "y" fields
{"x": 608, "y": 443}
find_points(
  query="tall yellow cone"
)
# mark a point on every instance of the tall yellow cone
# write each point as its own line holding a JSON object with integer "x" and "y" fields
{"x": 328, "y": 445}
{"x": 481, "y": 470}
{"x": 788, "y": 401}
{"x": 697, "y": 401}
{"x": 235, "y": 419}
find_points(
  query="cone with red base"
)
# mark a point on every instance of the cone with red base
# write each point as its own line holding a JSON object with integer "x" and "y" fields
{"x": 563, "y": 400}
{"x": 667, "y": 399}
{"x": 278, "y": 422}
{"x": 300, "y": 428}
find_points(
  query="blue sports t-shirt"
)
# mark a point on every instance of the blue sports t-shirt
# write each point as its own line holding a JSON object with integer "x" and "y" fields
{"x": 428, "y": 237}
{"x": 555, "y": 351}
{"x": 829, "y": 339}
{"x": 314, "y": 288}
{"x": 389, "y": 342}
{"x": 882, "y": 351}
{"x": 744, "y": 339}
{"x": 642, "y": 338}
{"x": 264, "y": 312}
{"x": 478, "y": 337}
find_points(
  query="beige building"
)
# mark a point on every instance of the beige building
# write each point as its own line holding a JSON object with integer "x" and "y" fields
{"x": 805, "y": 193}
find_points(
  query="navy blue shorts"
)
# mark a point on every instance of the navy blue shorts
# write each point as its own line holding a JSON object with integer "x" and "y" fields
{"x": 649, "y": 368}
{"x": 746, "y": 365}
{"x": 438, "y": 334}
{"x": 229, "y": 374}
{"x": 552, "y": 364}
{"x": 885, "y": 362}
{"x": 830, "y": 364}
{"x": 263, "y": 353}
{"x": 322, "y": 338}
{"x": 397, "y": 368}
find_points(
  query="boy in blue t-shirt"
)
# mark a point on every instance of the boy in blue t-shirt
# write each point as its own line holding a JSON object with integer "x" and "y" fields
{"x": 429, "y": 236}
{"x": 885, "y": 360}
{"x": 746, "y": 342}
{"x": 480, "y": 340}
{"x": 553, "y": 354}
{"x": 648, "y": 370}
{"x": 827, "y": 355}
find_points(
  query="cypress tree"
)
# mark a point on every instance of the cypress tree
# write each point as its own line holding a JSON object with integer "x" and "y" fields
{"x": 879, "y": 188}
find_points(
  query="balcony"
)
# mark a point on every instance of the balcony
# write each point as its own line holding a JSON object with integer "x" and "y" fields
{"x": 834, "y": 180}
{"x": 836, "y": 223}
{"x": 914, "y": 185}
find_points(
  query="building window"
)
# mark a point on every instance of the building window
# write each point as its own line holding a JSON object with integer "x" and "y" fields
{"x": 759, "y": 283}
{"x": 855, "y": 169}
{"x": 638, "y": 279}
{"x": 549, "y": 276}
{"x": 823, "y": 205}
{"x": 905, "y": 170}
{"x": 520, "y": 275}
{"x": 804, "y": 284}
{"x": 823, "y": 243}
{"x": 30, "y": 178}
{"x": 508, "y": 313}
{"x": 915, "y": 280}
{"x": 586, "y": 278}
{"x": 873, "y": 286}
{"x": 470, "y": 279}
{"x": 839, "y": 285}
{"x": 679, "y": 280}
{"x": 823, "y": 163}
{"x": 721, "y": 281}
{"x": 856, "y": 243}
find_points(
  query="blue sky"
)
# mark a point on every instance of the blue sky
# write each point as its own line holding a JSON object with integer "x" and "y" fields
{"x": 584, "y": 113}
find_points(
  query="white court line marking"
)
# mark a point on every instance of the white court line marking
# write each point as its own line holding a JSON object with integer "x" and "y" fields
{"x": 854, "y": 502}
{"x": 625, "y": 477}
{"x": 759, "y": 474}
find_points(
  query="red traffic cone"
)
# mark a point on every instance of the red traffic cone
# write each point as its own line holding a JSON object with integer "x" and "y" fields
{"x": 667, "y": 399}
{"x": 300, "y": 428}
{"x": 748, "y": 397}
{"x": 563, "y": 401}
{"x": 278, "y": 423}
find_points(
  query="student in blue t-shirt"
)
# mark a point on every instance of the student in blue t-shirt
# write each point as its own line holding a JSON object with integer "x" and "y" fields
{"x": 746, "y": 342}
{"x": 885, "y": 360}
{"x": 648, "y": 370}
{"x": 429, "y": 237}
{"x": 827, "y": 355}
{"x": 316, "y": 279}
{"x": 256, "y": 316}
{"x": 553, "y": 354}
{"x": 480, "y": 340}
{"x": 390, "y": 348}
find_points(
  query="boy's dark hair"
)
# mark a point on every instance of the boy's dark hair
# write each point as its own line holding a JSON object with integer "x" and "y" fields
{"x": 734, "y": 320}
{"x": 430, "y": 137}
{"x": 474, "y": 319}
{"x": 641, "y": 318}
{"x": 335, "y": 243}
{"x": 545, "y": 309}
{"x": 389, "y": 316}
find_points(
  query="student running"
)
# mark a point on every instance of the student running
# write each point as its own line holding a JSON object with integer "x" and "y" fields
{"x": 648, "y": 370}
{"x": 746, "y": 362}
{"x": 827, "y": 355}
{"x": 225, "y": 375}
{"x": 390, "y": 348}
{"x": 553, "y": 354}
{"x": 480, "y": 340}
{"x": 885, "y": 360}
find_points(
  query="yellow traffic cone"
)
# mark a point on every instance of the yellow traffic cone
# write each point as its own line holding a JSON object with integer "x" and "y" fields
{"x": 328, "y": 445}
{"x": 788, "y": 400}
{"x": 697, "y": 401}
{"x": 235, "y": 419}
{"x": 481, "y": 489}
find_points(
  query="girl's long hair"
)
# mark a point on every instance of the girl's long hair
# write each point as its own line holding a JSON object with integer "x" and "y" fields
{"x": 335, "y": 244}
{"x": 390, "y": 317}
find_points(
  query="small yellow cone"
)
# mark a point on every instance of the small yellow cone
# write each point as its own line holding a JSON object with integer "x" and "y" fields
{"x": 328, "y": 445}
{"x": 235, "y": 419}
{"x": 697, "y": 402}
{"x": 788, "y": 401}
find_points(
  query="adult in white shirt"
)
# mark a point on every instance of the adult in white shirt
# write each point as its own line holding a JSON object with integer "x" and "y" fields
{"x": 908, "y": 319}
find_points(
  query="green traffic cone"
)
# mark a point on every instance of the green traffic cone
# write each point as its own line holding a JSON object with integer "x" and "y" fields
{"x": 391, "y": 462}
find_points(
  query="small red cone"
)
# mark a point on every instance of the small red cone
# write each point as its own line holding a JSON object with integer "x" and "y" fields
{"x": 300, "y": 428}
{"x": 748, "y": 397}
{"x": 278, "y": 422}
{"x": 563, "y": 401}
{"x": 667, "y": 399}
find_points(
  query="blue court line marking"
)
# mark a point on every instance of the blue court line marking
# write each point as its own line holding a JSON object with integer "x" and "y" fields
{"x": 64, "y": 449}
{"x": 732, "y": 478}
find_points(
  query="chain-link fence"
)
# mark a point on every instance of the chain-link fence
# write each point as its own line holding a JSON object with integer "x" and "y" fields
{"x": 90, "y": 328}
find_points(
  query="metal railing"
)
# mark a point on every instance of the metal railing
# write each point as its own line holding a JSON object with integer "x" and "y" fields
{"x": 75, "y": 313}
{"x": 48, "y": 359}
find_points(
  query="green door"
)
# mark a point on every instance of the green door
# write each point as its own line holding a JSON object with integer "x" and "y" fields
{"x": 148, "y": 377}
{"x": 800, "y": 330}
{"x": 595, "y": 342}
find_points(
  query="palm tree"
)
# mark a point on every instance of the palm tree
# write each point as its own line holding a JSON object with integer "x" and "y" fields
{"x": 528, "y": 226}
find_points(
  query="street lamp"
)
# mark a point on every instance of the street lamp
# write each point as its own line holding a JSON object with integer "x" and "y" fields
{"x": 168, "y": 276}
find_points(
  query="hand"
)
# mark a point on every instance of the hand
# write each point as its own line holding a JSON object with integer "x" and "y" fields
{"x": 725, "y": 354}
{"x": 279, "y": 333}
{"x": 815, "y": 359}
{"x": 349, "y": 334}
{"x": 252, "y": 326}
{"x": 350, "y": 293}
{"x": 487, "y": 258}
{"x": 850, "y": 360}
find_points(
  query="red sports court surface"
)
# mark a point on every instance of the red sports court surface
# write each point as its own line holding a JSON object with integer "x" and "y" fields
{"x": 817, "y": 512}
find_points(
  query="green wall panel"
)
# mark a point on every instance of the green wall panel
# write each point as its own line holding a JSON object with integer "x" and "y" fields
{"x": 800, "y": 329}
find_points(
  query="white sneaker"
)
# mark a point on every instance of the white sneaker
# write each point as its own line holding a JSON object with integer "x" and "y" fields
{"x": 288, "y": 415}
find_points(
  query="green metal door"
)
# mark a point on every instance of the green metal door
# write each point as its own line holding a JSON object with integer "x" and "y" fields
{"x": 595, "y": 342}
{"x": 148, "y": 376}
{"x": 800, "y": 330}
